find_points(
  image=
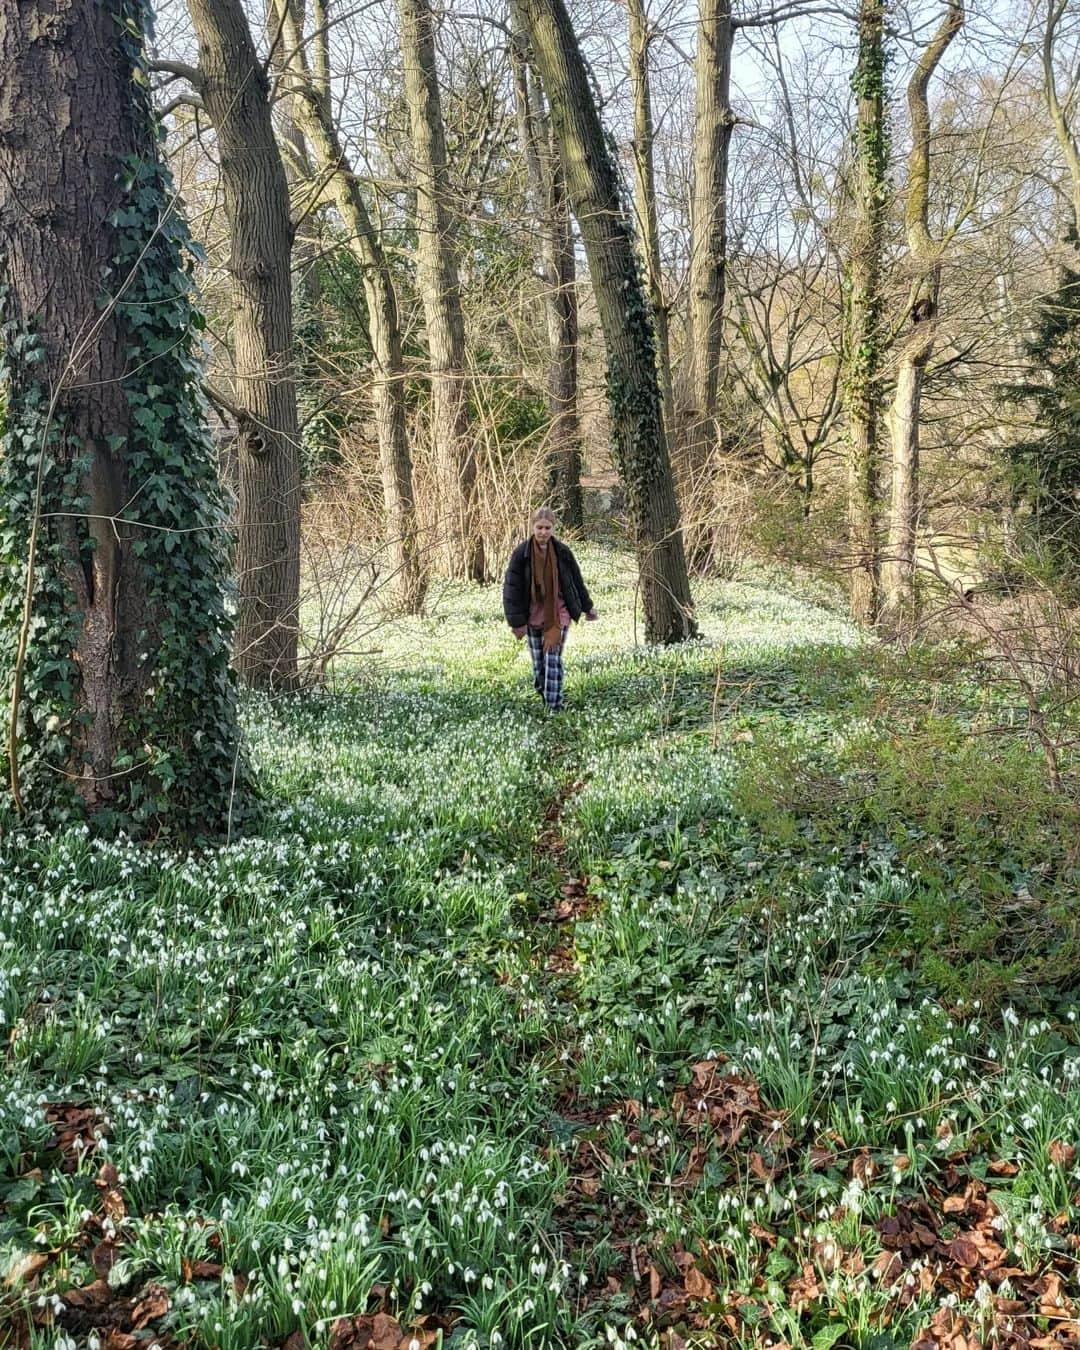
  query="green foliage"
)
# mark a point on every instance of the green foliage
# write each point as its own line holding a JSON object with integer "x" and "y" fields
{"x": 345, "y": 1058}
{"x": 634, "y": 400}
{"x": 1046, "y": 464}
{"x": 39, "y": 460}
{"x": 177, "y": 764}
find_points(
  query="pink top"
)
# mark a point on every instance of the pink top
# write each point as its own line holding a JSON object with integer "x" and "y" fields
{"x": 536, "y": 612}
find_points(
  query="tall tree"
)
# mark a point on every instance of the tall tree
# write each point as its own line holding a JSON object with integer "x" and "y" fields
{"x": 898, "y": 571}
{"x": 645, "y": 198}
{"x": 111, "y": 528}
{"x": 461, "y": 544}
{"x": 547, "y": 195}
{"x": 298, "y": 172}
{"x": 637, "y": 429}
{"x": 1045, "y": 463}
{"x": 314, "y": 113}
{"x": 865, "y": 339}
{"x": 713, "y": 124}
{"x": 234, "y": 87}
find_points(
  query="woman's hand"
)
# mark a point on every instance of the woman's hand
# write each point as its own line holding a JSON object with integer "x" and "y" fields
{"x": 592, "y": 615}
{"x": 519, "y": 632}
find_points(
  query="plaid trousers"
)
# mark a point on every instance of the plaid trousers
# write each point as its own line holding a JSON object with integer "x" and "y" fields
{"x": 547, "y": 668}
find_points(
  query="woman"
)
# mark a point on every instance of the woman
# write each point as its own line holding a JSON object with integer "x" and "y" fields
{"x": 542, "y": 592}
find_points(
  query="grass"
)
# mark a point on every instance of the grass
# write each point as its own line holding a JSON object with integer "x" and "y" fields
{"x": 816, "y": 983}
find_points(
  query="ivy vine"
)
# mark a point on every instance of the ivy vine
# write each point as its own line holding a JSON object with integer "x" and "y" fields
{"x": 177, "y": 767}
{"x": 633, "y": 402}
{"x": 871, "y": 143}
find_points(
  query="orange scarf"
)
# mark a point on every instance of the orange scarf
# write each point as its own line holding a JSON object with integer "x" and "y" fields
{"x": 545, "y": 582}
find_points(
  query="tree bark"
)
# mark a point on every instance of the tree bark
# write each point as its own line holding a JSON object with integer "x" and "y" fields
{"x": 312, "y": 106}
{"x": 562, "y": 327}
{"x": 1055, "y": 12}
{"x": 461, "y": 544}
{"x": 638, "y": 443}
{"x": 109, "y": 476}
{"x": 547, "y": 195}
{"x": 713, "y": 125}
{"x": 898, "y": 571}
{"x": 645, "y": 201}
{"x": 863, "y": 347}
{"x": 235, "y": 90}
{"x": 298, "y": 172}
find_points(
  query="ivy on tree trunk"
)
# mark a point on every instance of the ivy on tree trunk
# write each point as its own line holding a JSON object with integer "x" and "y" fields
{"x": 122, "y": 706}
{"x": 864, "y": 338}
{"x": 639, "y": 447}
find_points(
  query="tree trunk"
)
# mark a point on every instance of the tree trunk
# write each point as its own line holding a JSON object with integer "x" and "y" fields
{"x": 898, "y": 573}
{"x": 460, "y": 540}
{"x": 313, "y": 110}
{"x": 863, "y": 347}
{"x": 547, "y": 198}
{"x": 113, "y": 603}
{"x": 713, "y": 125}
{"x": 234, "y": 89}
{"x": 1059, "y": 113}
{"x": 645, "y": 200}
{"x": 298, "y": 174}
{"x": 562, "y": 327}
{"x": 638, "y": 444}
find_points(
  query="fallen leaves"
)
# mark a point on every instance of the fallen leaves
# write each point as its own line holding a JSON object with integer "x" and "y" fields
{"x": 950, "y": 1329}
{"x": 26, "y": 1268}
{"x": 116, "y": 1319}
{"x": 120, "y": 1317}
{"x": 697, "y": 1284}
{"x": 726, "y": 1103}
{"x": 76, "y": 1128}
{"x": 379, "y": 1331}
{"x": 973, "y": 1258}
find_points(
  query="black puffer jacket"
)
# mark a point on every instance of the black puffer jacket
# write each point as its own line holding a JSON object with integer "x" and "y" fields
{"x": 517, "y": 584}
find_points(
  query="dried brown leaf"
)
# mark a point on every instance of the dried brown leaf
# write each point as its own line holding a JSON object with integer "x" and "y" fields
{"x": 964, "y": 1252}
{"x": 886, "y": 1267}
{"x": 153, "y": 1303}
{"x": 805, "y": 1287}
{"x": 385, "y": 1333}
{"x": 116, "y": 1339}
{"x": 94, "y": 1295}
{"x": 697, "y": 1284}
{"x": 26, "y": 1268}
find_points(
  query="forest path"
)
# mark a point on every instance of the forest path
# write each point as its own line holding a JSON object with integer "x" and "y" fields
{"x": 772, "y": 968}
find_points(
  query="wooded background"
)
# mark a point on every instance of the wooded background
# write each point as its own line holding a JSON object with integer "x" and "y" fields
{"x": 851, "y": 226}
{"x": 798, "y": 281}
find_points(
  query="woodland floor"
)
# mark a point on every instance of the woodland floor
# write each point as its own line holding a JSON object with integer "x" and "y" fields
{"x": 736, "y": 1006}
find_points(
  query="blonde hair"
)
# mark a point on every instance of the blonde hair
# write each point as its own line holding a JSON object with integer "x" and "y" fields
{"x": 543, "y": 513}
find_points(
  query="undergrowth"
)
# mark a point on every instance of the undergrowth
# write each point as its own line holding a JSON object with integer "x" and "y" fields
{"x": 734, "y": 1006}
